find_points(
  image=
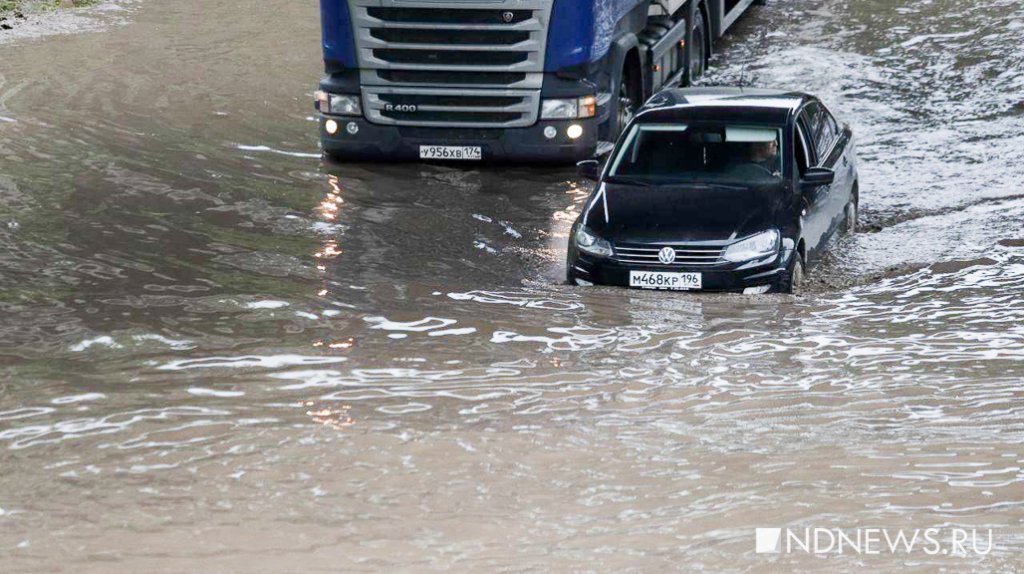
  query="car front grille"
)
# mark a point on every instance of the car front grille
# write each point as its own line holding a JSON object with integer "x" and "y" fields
{"x": 687, "y": 255}
{"x": 428, "y": 53}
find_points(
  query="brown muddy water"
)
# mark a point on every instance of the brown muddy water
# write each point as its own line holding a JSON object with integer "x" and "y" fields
{"x": 218, "y": 354}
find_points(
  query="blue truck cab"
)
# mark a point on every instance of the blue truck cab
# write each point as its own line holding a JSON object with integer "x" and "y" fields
{"x": 502, "y": 80}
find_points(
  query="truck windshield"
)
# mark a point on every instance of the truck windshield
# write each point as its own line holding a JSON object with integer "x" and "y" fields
{"x": 727, "y": 154}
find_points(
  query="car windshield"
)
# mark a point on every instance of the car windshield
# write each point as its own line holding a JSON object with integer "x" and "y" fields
{"x": 725, "y": 154}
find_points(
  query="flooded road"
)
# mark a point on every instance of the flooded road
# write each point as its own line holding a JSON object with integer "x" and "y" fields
{"x": 219, "y": 354}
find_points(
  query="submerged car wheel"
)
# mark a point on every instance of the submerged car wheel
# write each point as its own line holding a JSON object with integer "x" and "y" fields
{"x": 793, "y": 280}
{"x": 850, "y": 223}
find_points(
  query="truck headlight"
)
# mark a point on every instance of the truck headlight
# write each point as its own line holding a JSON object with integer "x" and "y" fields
{"x": 754, "y": 247}
{"x": 569, "y": 109}
{"x": 590, "y": 243}
{"x": 338, "y": 104}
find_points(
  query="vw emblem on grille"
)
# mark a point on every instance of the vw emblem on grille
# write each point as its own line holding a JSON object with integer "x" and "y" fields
{"x": 667, "y": 255}
{"x": 507, "y": 17}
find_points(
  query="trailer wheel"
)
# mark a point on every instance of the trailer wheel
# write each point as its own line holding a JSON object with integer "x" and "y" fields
{"x": 698, "y": 50}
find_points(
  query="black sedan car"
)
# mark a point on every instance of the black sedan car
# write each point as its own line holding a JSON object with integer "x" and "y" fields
{"x": 717, "y": 189}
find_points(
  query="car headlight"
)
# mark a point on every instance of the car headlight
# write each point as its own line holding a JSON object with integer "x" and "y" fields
{"x": 338, "y": 104}
{"x": 570, "y": 109}
{"x": 754, "y": 247}
{"x": 590, "y": 243}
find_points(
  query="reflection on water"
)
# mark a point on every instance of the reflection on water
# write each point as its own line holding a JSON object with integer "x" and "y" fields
{"x": 217, "y": 354}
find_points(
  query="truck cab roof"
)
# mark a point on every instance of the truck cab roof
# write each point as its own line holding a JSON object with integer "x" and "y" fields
{"x": 718, "y": 103}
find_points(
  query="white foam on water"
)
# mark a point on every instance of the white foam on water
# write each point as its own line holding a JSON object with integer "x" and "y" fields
{"x": 266, "y": 305}
{"x": 104, "y": 341}
{"x": 202, "y": 392}
{"x": 268, "y": 149}
{"x": 249, "y": 362}
{"x": 71, "y": 399}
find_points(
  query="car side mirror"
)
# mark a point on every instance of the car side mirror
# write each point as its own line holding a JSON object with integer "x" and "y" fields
{"x": 817, "y": 177}
{"x": 589, "y": 169}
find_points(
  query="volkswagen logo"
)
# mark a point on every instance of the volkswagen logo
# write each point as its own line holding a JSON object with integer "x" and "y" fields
{"x": 667, "y": 255}
{"x": 508, "y": 17}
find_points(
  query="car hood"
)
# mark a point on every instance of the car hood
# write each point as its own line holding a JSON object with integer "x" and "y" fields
{"x": 683, "y": 213}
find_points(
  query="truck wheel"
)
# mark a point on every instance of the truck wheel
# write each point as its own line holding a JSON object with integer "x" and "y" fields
{"x": 698, "y": 51}
{"x": 626, "y": 104}
{"x": 793, "y": 279}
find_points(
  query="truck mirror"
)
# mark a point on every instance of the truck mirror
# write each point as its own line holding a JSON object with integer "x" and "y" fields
{"x": 589, "y": 169}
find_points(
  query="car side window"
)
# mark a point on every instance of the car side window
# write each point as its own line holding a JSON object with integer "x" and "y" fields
{"x": 810, "y": 121}
{"x": 802, "y": 148}
{"x": 829, "y": 130}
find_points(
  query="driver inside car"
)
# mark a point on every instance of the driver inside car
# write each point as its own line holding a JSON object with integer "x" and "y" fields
{"x": 759, "y": 160}
{"x": 764, "y": 154}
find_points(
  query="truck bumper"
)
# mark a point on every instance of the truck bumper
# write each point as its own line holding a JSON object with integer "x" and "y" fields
{"x": 372, "y": 142}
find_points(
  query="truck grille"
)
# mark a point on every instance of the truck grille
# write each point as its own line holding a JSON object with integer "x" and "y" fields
{"x": 447, "y": 16}
{"x": 454, "y": 37}
{"x": 451, "y": 63}
{"x": 687, "y": 255}
{"x": 444, "y": 107}
{"x": 451, "y": 100}
{"x": 450, "y": 57}
{"x": 407, "y": 77}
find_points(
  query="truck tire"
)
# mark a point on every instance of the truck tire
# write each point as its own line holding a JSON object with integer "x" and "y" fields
{"x": 698, "y": 50}
{"x": 626, "y": 102}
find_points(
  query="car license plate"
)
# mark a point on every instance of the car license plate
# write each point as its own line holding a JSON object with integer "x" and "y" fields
{"x": 472, "y": 153}
{"x": 664, "y": 280}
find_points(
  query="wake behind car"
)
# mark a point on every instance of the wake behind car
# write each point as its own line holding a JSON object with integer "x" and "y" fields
{"x": 717, "y": 189}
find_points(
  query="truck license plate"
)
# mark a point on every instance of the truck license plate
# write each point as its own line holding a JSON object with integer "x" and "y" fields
{"x": 664, "y": 280}
{"x": 472, "y": 153}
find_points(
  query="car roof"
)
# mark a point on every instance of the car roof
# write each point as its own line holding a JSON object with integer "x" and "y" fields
{"x": 722, "y": 103}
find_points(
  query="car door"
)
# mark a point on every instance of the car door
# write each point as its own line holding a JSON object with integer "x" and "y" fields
{"x": 814, "y": 220}
{"x": 832, "y": 151}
